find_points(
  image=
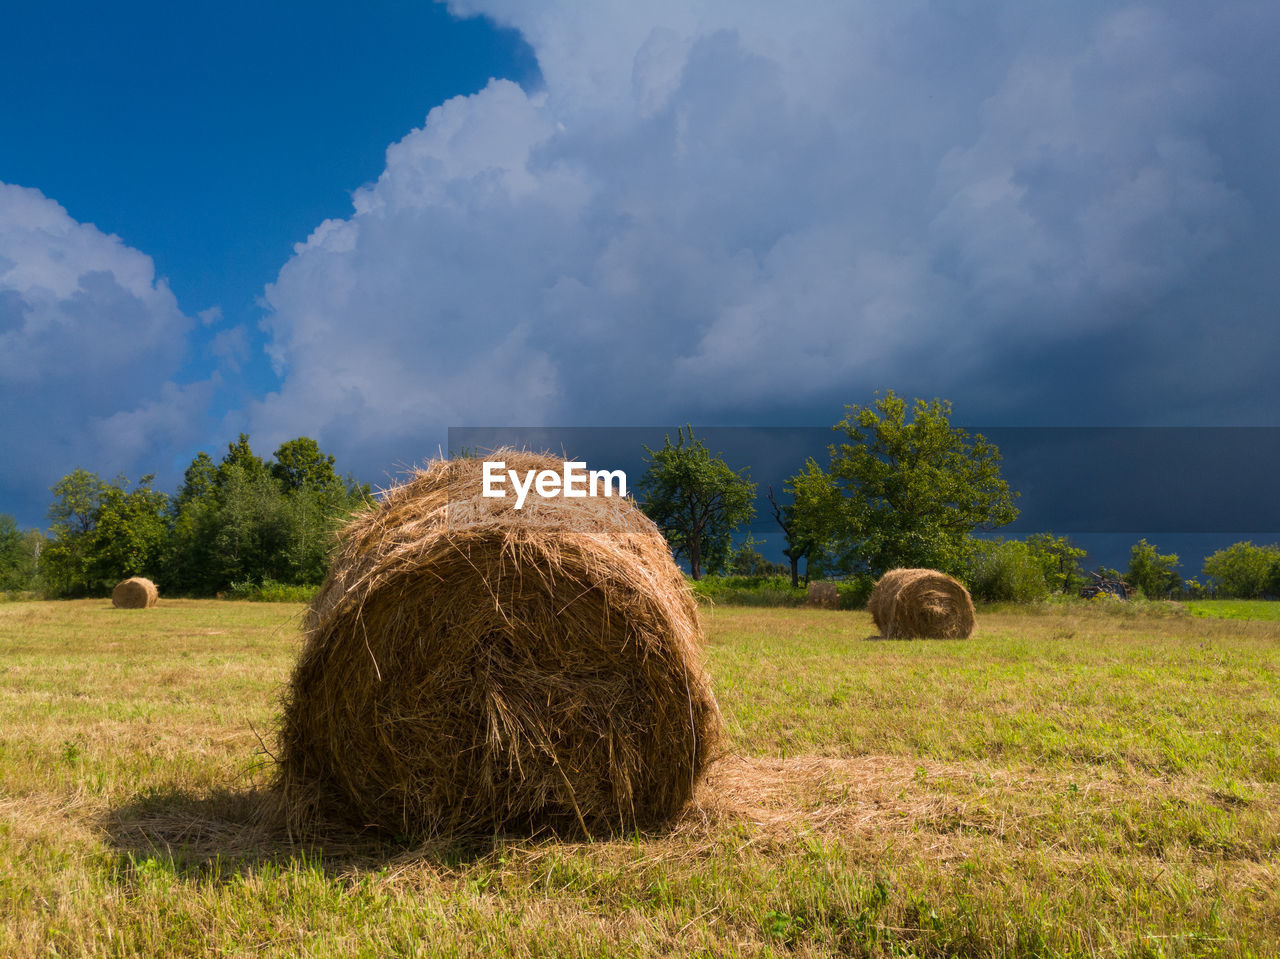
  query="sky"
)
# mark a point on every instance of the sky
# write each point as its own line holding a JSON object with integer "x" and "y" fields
{"x": 367, "y": 225}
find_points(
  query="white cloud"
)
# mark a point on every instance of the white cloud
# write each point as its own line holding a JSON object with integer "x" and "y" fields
{"x": 712, "y": 209}
{"x": 89, "y": 342}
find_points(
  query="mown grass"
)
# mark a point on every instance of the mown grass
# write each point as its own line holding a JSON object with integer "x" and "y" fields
{"x": 1077, "y": 781}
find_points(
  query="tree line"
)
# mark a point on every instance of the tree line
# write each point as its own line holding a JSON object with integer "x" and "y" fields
{"x": 239, "y": 520}
{"x": 900, "y": 487}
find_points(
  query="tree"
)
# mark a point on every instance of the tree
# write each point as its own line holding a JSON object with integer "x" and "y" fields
{"x": 815, "y": 520}
{"x": 19, "y": 552}
{"x": 914, "y": 490}
{"x": 696, "y": 500}
{"x": 799, "y": 545}
{"x": 1242, "y": 570}
{"x": 240, "y": 455}
{"x": 198, "y": 481}
{"x": 300, "y": 465}
{"x": 130, "y": 533}
{"x": 1156, "y": 575}
{"x": 248, "y": 520}
{"x": 193, "y": 526}
{"x": 103, "y": 533}
{"x": 72, "y": 516}
{"x": 1060, "y": 560}
{"x": 749, "y": 561}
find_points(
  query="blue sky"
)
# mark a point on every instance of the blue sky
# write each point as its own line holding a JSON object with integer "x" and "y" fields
{"x": 368, "y": 225}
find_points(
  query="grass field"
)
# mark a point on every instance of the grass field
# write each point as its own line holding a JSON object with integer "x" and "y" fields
{"x": 1076, "y": 781}
{"x": 1236, "y": 609}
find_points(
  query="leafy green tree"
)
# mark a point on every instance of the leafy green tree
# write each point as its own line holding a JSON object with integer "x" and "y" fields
{"x": 246, "y": 520}
{"x": 300, "y": 465}
{"x": 1155, "y": 574}
{"x": 252, "y": 531}
{"x": 241, "y": 456}
{"x": 816, "y": 522}
{"x": 76, "y": 499}
{"x": 18, "y": 555}
{"x": 749, "y": 561}
{"x": 129, "y": 534}
{"x": 1242, "y": 570}
{"x": 696, "y": 500}
{"x": 1194, "y": 589}
{"x": 103, "y": 533}
{"x": 915, "y": 488}
{"x": 72, "y": 517}
{"x": 193, "y": 526}
{"x": 1060, "y": 559}
{"x": 198, "y": 481}
{"x": 1006, "y": 571}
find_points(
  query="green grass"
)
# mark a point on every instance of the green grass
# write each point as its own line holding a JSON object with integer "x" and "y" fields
{"x": 772, "y": 591}
{"x": 1075, "y": 781}
{"x": 1261, "y": 609}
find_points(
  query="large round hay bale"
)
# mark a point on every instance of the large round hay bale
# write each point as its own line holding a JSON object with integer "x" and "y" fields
{"x": 921, "y": 604}
{"x": 471, "y": 668}
{"x": 822, "y": 595}
{"x": 136, "y": 592}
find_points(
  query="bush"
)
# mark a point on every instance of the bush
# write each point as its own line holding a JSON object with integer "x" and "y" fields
{"x": 269, "y": 591}
{"x": 774, "y": 591}
{"x": 1006, "y": 571}
{"x": 748, "y": 591}
{"x": 1244, "y": 571}
{"x": 1194, "y": 589}
{"x": 749, "y": 561}
{"x": 1155, "y": 574}
{"x": 855, "y": 592}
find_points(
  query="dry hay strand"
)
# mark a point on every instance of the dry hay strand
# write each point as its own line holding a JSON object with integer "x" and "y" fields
{"x": 823, "y": 595}
{"x": 136, "y": 592}
{"x": 471, "y": 668}
{"x": 921, "y": 604}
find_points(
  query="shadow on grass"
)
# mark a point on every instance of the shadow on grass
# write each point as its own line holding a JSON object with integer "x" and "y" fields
{"x": 227, "y": 833}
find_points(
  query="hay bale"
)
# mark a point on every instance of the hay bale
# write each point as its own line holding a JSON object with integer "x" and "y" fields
{"x": 921, "y": 604}
{"x": 136, "y": 592}
{"x": 823, "y": 595}
{"x": 470, "y": 668}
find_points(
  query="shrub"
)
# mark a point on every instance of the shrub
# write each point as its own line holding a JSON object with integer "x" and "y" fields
{"x": 1243, "y": 570}
{"x": 749, "y": 561}
{"x": 269, "y": 591}
{"x": 1155, "y": 574}
{"x": 855, "y": 591}
{"x": 748, "y": 591}
{"x": 1006, "y": 571}
{"x": 775, "y": 591}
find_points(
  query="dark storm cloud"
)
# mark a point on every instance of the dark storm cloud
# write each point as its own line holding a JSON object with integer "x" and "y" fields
{"x": 721, "y": 212}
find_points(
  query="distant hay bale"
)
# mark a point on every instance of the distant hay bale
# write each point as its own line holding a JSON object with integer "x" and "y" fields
{"x": 921, "y": 604}
{"x": 823, "y": 595}
{"x": 135, "y": 592}
{"x": 470, "y": 668}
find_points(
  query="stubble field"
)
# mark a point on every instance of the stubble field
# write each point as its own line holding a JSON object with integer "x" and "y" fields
{"x": 1076, "y": 780}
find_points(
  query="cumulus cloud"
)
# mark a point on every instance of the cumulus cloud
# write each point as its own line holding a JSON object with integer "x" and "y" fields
{"x": 89, "y": 342}
{"x": 724, "y": 210}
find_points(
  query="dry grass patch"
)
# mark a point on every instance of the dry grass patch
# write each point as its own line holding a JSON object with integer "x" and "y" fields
{"x": 1058, "y": 785}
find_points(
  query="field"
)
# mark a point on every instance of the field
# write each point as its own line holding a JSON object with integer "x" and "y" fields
{"x": 1082, "y": 780}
